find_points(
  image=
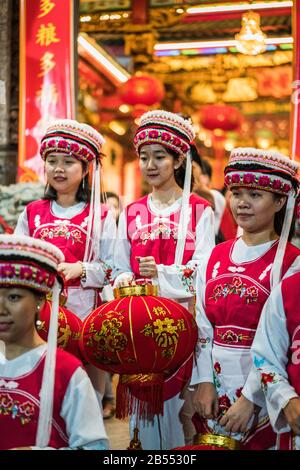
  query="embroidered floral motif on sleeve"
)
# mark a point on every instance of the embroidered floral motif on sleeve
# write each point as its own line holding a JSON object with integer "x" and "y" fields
{"x": 187, "y": 277}
{"x": 236, "y": 287}
{"x": 268, "y": 379}
{"x": 204, "y": 342}
{"x": 107, "y": 271}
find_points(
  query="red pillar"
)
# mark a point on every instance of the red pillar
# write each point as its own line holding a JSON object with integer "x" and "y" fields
{"x": 295, "y": 116}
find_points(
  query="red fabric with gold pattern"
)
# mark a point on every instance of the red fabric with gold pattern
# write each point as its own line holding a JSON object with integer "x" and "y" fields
{"x": 143, "y": 338}
{"x": 69, "y": 328}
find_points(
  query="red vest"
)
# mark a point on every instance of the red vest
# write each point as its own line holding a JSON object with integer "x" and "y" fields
{"x": 69, "y": 235}
{"x": 233, "y": 289}
{"x": 19, "y": 406}
{"x": 154, "y": 235}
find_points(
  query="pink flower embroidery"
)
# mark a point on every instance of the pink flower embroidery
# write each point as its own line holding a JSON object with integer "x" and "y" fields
{"x": 236, "y": 178}
{"x": 166, "y": 136}
{"x": 276, "y": 184}
{"x": 248, "y": 178}
{"x": 286, "y": 188}
{"x": 264, "y": 181}
{"x": 153, "y": 134}
{"x": 237, "y": 282}
{"x": 217, "y": 367}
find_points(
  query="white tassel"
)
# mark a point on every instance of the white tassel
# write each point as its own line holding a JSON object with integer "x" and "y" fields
{"x": 92, "y": 246}
{"x": 47, "y": 389}
{"x": 275, "y": 276}
{"x": 184, "y": 213}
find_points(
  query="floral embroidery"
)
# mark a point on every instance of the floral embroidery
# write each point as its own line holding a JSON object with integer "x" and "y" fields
{"x": 231, "y": 337}
{"x": 62, "y": 230}
{"x": 224, "y": 404}
{"x": 236, "y": 287}
{"x": 217, "y": 367}
{"x": 161, "y": 229}
{"x": 107, "y": 272}
{"x": 187, "y": 278}
{"x": 257, "y": 181}
{"x": 238, "y": 392}
{"x": 24, "y": 411}
{"x": 267, "y": 379}
{"x": 203, "y": 342}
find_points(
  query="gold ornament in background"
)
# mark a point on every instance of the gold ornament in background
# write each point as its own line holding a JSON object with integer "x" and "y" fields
{"x": 250, "y": 40}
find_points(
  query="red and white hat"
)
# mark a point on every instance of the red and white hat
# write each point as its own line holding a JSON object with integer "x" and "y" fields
{"x": 168, "y": 129}
{"x": 32, "y": 264}
{"x": 262, "y": 169}
{"x": 72, "y": 138}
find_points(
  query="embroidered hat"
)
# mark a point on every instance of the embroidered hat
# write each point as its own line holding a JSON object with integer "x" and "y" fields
{"x": 165, "y": 128}
{"x": 71, "y": 137}
{"x": 30, "y": 263}
{"x": 268, "y": 171}
{"x": 261, "y": 169}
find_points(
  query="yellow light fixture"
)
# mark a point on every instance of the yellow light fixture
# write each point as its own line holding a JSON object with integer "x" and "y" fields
{"x": 251, "y": 40}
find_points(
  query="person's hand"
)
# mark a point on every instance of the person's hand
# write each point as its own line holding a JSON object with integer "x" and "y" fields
{"x": 238, "y": 415}
{"x": 70, "y": 270}
{"x": 205, "y": 400}
{"x": 292, "y": 414}
{"x": 125, "y": 281}
{"x": 147, "y": 266}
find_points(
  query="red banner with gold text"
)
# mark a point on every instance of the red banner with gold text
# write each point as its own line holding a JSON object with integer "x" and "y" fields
{"x": 295, "y": 118}
{"x": 46, "y": 76}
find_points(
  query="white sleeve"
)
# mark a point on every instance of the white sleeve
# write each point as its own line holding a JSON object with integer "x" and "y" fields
{"x": 98, "y": 273}
{"x": 22, "y": 224}
{"x": 178, "y": 281}
{"x": 122, "y": 266}
{"x": 203, "y": 366}
{"x": 252, "y": 389}
{"x": 81, "y": 413}
{"x": 269, "y": 353}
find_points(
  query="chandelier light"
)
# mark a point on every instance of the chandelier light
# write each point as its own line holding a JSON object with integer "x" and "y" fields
{"x": 250, "y": 40}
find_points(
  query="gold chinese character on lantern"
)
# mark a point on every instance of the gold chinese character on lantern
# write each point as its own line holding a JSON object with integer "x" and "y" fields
{"x": 46, "y": 64}
{"x": 46, "y": 35}
{"x": 45, "y": 7}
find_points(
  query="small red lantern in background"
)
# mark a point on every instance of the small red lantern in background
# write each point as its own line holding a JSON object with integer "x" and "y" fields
{"x": 220, "y": 118}
{"x": 142, "y": 89}
{"x": 69, "y": 328}
{"x": 142, "y": 337}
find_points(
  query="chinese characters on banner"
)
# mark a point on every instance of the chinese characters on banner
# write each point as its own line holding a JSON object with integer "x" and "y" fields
{"x": 46, "y": 76}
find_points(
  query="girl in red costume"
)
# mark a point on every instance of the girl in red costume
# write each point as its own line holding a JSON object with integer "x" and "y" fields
{"x": 164, "y": 236}
{"x": 46, "y": 398}
{"x": 233, "y": 289}
{"x": 71, "y": 217}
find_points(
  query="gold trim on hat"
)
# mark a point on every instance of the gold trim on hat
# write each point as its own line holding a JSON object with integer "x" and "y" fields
{"x": 217, "y": 440}
{"x": 142, "y": 289}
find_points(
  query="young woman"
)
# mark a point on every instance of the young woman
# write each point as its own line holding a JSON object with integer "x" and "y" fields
{"x": 46, "y": 398}
{"x": 275, "y": 352}
{"x": 71, "y": 219}
{"x": 233, "y": 289}
{"x": 164, "y": 236}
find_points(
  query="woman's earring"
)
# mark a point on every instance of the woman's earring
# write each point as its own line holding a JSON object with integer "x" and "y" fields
{"x": 38, "y": 322}
{"x": 83, "y": 183}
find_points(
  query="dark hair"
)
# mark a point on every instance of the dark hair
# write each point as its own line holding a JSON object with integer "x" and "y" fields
{"x": 180, "y": 172}
{"x": 279, "y": 219}
{"x": 206, "y": 168}
{"x": 83, "y": 193}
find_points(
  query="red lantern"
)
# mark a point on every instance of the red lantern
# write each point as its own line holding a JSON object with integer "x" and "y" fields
{"x": 220, "y": 116}
{"x": 142, "y": 337}
{"x": 142, "y": 89}
{"x": 69, "y": 328}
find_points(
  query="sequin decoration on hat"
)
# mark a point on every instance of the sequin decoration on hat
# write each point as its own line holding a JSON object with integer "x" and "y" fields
{"x": 262, "y": 169}
{"x": 168, "y": 129}
{"x": 73, "y": 138}
{"x": 28, "y": 262}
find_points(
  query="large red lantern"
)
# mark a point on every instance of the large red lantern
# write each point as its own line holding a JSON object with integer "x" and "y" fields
{"x": 220, "y": 116}
{"x": 142, "y": 337}
{"x": 142, "y": 89}
{"x": 69, "y": 328}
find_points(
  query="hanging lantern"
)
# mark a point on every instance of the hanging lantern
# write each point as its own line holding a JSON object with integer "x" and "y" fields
{"x": 69, "y": 328}
{"x": 220, "y": 116}
{"x": 145, "y": 339}
{"x": 142, "y": 89}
